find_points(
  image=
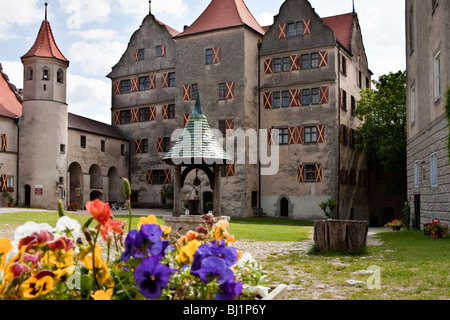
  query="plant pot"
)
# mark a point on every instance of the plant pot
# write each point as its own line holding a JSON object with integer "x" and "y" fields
{"x": 396, "y": 228}
{"x": 11, "y": 204}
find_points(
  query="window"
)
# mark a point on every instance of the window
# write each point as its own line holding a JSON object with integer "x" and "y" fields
{"x": 300, "y": 28}
{"x": 122, "y": 149}
{"x": 62, "y": 149}
{"x": 83, "y": 142}
{"x": 30, "y": 74}
{"x": 102, "y": 145}
{"x": 276, "y": 100}
{"x": 416, "y": 174}
{"x": 172, "y": 79}
{"x": 144, "y": 114}
{"x": 222, "y": 91}
{"x": 286, "y": 99}
{"x": 45, "y": 75}
{"x": 413, "y": 105}
{"x": 209, "y": 56}
{"x": 434, "y": 170}
{"x": 314, "y": 60}
{"x": 310, "y": 173}
{"x": 144, "y": 83}
{"x": 144, "y": 145}
{"x": 277, "y": 65}
{"x": 171, "y": 111}
{"x": 411, "y": 30}
{"x": 283, "y": 136}
{"x": 359, "y": 79}
{"x": 222, "y": 127}
{"x": 310, "y": 134}
{"x": 367, "y": 83}
{"x": 344, "y": 100}
{"x": 306, "y": 97}
{"x": 60, "y": 76}
{"x": 158, "y": 177}
{"x": 125, "y": 86}
{"x": 9, "y": 182}
{"x": 315, "y": 95}
{"x": 125, "y": 117}
{"x": 158, "y": 51}
{"x": 140, "y": 55}
{"x": 291, "y": 30}
{"x": 286, "y": 64}
{"x": 305, "y": 61}
{"x": 353, "y": 104}
{"x": 166, "y": 144}
{"x": 437, "y": 77}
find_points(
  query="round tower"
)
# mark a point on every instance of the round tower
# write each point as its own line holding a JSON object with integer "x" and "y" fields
{"x": 43, "y": 127}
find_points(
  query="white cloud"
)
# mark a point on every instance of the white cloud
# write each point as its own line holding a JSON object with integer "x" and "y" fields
{"x": 96, "y": 58}
{"x": 265, "y": 19}
{"x": 95, "y": 34}
{"x": 176, "y": 8}
{"x": 12, "y": 15}
{"x": 89, "y": 97}
{"x": 14, "y": 70}
{"x": 82, "y": 12}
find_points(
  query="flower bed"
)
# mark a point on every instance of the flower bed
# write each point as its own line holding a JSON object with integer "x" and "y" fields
{"x": 435, "y": 229}
{"x": 67, "y": 262}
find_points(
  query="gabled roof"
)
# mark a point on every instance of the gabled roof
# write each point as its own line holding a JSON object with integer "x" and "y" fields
{"x": 77, "y": 122}
{"x": 10, "y": 105}
{"x": 221, "y": 14}
{"x": 45, "y": 45}
{"x": 197, "y": 143}
{"x": 342, "y": 27}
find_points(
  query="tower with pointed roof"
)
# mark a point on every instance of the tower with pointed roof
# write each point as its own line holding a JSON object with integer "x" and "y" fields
{"x": 43, "y": 127}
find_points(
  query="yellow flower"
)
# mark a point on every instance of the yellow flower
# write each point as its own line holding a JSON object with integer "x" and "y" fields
{"x": 187, "y": 252}
{"x": 86, "y": 257}
{"x": 5, "y": 248}
{"x": 103, "y": 275}
{"x": 62, "y": 262}
{"x": 34, "y": 287}
{"x": 151, "y": 219}
{"x": 102, "y": 294}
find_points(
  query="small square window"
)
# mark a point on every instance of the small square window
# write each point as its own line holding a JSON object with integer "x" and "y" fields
{"x": 286, "y": 99}
{"x": 122, "y": 149}
{"x": 140, "y": 55}
{"x": 158, "y": 51}
{"x": 305, "y": 61}
{"x": 315, "y": 96}
{"x": 103, "y": 146}
{"x": 277, "y": 65}
{"x": 286, "y": 64}
{"x": 300, "y": 28}
{"x": 144, "y": 83}
{"x": 310, "y": 134}
{"x": 222, "y": 91}
{"x": 209, "y": 56}
{"x": 62, "y": 149}
{"x": 283, "y": 136}
{"x": 194, "y": 91}
{"x": 276, "y": 100}
{"x": 144, "y": 114}
{"x": 291, "y": 30}
{"x": 125, "y": 117}
{"x": 314, "y": 60}
{"x": 310, "y": 173}
{"x": 306, "y": 97}
{"x": 145, "y": 146}
{"x": 125, "y": 86}
{"x": 172, "y": 79}
{"x": 171, "y": 111}
{"x": 166, "y": 145}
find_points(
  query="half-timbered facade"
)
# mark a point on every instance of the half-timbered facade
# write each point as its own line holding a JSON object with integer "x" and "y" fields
{"x": 297, "y": 81}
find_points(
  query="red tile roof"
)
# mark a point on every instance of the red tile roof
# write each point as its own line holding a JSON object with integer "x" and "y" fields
{"x": 221, "y": 14}
{"x": 45, "y": 45}
{"x": 171, "y": 30}
{"x": 342, "y": 28}
{"x": 10, "y": 106}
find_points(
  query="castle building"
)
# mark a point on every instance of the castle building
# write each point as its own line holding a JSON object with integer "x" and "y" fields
{"x": 428, "y": 75}
{"x": 294, "y": 84}
{"x": 49, "y": 154}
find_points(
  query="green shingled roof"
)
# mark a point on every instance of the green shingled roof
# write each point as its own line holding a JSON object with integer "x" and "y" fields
{"x": 197, "y": 144}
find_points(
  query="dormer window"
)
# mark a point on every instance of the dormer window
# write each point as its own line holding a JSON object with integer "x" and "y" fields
{"x": 60, "y": 76}
{"x": 45, "y": 75}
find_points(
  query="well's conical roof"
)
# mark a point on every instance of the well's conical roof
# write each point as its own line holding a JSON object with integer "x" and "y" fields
{"x": 197, "y": 144}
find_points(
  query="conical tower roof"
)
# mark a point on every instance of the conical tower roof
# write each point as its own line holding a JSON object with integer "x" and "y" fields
{"x": 45, "y": 44}
{"x": 197, "y": 144}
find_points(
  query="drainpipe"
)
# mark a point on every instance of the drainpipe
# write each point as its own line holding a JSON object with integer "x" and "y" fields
{"x": 338, "y": 184}
{"x": 259, "y": 123}
{"x": 16, "y": 121}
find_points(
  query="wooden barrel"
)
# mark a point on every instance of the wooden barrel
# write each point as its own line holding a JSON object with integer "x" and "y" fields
{"x": 340, "y": 235}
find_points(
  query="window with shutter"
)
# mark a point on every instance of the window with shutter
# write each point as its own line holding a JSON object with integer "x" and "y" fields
{"x": 301, "y": 173}
{"x": 186, "y": 92}
{"x": 323, "y": 59}
{"x": 231, "y": 172}
{"x": 324, "y": 95}
{"x": 282, "y": 31}
{"x": 117, "y": 118}
{"x": 160, "y": 145}
{"x": 307, "y": 27}
{"x": 267, "y": 100}
{"x": 134, "y": 113}
{"x": 319, "y": 173}
{"x": 138, "y": 145}
{"x": 320, "y": 133}
{"x": 4, "y": 183}
{"x": 216, "y": 55}
{"x": 3, "y": 143}
{"x": 268, "y": 67}
{"x": 152, "y": 114}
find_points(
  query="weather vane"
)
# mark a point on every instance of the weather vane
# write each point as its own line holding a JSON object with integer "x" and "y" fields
{"x": 46, "y": 5}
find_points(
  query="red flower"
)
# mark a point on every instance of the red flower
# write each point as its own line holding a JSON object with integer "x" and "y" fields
{"x": 101, "y": 211}
{"x": 109, "y": 226}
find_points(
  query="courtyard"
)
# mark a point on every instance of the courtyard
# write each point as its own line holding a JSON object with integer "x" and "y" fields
{"x": 403, "y": 265}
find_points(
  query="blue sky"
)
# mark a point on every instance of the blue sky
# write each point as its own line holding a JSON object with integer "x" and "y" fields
{"x": 93, "y": 35}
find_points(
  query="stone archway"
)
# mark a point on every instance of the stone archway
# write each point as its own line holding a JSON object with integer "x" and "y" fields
{"x": 76, "y": 184}
{"x": 114, "y": 185}
{"x": 96, "y": 179}
{"x": 284, "y": 207}
{"x": 94, "y": 195}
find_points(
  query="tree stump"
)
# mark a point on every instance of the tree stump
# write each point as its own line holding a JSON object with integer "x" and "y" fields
{"x": 340, "y": 235}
